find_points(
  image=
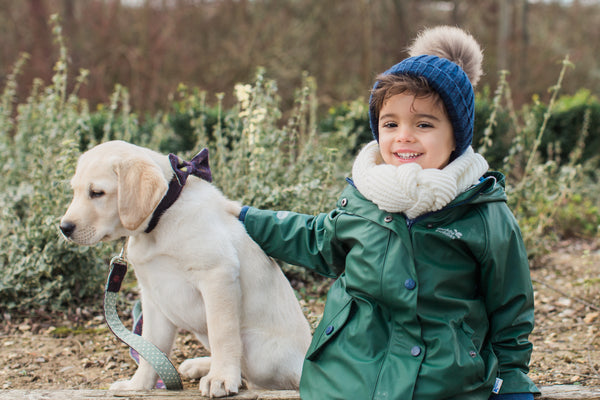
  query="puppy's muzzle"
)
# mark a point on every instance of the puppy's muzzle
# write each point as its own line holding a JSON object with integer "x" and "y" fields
{"x": 67, "y": 228}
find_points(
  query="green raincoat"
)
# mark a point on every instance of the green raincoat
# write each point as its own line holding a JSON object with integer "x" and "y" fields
{"x": 432, "y": 308}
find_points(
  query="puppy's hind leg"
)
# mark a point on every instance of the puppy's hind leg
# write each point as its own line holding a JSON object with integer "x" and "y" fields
{"x": 195, "y": 368}
{"x": 272, "y": 363}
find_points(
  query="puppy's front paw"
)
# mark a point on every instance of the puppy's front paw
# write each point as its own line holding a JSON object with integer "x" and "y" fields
{"x": 126, "y": 385}
{"x": 215, "y": 385}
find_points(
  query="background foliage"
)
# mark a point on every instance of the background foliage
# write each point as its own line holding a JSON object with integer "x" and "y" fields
{"x": 214, "y": 44}
{"x": 264, "y": 152}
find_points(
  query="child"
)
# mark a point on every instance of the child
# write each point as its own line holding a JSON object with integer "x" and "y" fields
{"x": 433, "y": 298}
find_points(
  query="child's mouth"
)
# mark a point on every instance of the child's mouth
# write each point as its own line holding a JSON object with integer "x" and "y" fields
{"x": 407, "y": 156}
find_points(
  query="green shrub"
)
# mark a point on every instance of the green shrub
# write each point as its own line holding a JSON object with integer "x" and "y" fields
{"x": 114, "y": 121}
{"x": 41, "y": 140}
{"x": 551, "y": 196}
{"x": 39, "y": 147}
{"x": 189, "y": 118}
{"x": 579, "y": 216}
{"x": 350, "y": 121}
{"x": 572, "y": 116}
{"x": 492, "y": 135}
{"x": 269, "y": 163}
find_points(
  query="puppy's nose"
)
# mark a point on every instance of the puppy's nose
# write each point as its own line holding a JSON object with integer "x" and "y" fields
{"x": 67, "y": 228}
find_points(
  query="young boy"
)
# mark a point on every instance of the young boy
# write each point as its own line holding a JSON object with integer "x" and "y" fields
{"x": 433, "y": 298}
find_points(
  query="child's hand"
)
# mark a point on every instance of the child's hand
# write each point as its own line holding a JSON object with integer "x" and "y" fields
{"x": 233, "y": 207}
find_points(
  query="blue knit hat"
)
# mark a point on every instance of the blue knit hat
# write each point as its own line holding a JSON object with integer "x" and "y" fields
{"x": 451, "y": 83}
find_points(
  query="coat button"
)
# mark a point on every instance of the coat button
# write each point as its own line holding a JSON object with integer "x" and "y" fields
{"x": 415, "y": 351}
{"x": 344, "y": 202}
{"x": 429, "y": 225}
{"x": 329, "y": 330}
{"x": 473, "y": 353}
{"x": 388, "y": 218}
{"x": 410, "y": 284}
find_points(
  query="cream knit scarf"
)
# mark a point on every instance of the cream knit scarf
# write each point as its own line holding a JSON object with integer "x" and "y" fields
{"x": 409, "y": 188}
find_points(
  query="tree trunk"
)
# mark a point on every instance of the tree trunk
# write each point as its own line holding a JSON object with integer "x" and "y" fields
{"x": 504, "y": 23}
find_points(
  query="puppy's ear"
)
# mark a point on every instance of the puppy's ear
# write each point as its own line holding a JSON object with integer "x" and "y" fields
{"x": 140, "y": 189}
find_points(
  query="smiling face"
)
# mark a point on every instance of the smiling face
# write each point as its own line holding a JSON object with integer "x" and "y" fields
{"x": 415, "y": 129}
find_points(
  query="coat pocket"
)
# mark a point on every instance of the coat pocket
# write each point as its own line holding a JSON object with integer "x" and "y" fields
{"x": 329, "y": 327}
{"x": 468, "y": 357}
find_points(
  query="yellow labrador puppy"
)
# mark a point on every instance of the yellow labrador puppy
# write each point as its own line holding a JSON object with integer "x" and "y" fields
{"x": 197, "y": 269}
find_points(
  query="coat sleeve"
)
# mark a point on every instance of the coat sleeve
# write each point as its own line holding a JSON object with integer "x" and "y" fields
{"x": 299, "y": 239}
{"x": 508, "y": 292}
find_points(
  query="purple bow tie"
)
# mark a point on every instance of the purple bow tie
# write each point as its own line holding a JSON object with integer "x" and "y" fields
{"x": 198, "y": 166}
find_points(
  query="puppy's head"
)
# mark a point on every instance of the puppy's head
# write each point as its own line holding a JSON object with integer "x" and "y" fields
{"x": 116, "y": 187}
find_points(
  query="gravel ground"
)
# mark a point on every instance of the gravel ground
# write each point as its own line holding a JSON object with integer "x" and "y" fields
{"x": 56, "y": 353}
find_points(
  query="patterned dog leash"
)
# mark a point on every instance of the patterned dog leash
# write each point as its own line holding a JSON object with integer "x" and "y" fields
{"x": 159, "y": 361}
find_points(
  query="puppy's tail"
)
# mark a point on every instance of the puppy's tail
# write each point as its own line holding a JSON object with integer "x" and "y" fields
{"x": 453, "y": 44}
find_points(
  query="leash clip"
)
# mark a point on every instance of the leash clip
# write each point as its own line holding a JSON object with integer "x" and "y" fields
{"x": 120, "y": 259}
{"x": 118, "y": 269}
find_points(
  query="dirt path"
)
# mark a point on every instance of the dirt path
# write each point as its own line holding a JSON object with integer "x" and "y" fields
{"x": 567, "y": 335}
{"x": 58, "y": 355}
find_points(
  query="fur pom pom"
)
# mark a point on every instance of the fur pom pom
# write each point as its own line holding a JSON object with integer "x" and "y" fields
{"x": 453, "y": 44}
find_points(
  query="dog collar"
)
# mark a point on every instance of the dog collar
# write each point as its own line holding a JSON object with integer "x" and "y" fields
{"x": 182, "y": 169}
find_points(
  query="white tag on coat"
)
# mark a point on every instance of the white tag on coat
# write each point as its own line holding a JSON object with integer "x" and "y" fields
{"x": 497, "y": 386}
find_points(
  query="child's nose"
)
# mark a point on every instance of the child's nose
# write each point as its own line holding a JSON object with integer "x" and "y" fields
{"x": 405, "y": 134}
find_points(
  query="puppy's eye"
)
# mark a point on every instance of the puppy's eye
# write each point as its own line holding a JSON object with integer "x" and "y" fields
{"x": 94, "y": 194}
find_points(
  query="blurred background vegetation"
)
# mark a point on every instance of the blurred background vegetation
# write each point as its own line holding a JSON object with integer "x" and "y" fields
{"x": 277, "y": 90}
{"x": 213, "y": 44}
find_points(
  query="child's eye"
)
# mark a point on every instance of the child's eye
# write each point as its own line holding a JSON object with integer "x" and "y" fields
{"x": 424, "y": 125}
{"x": 390, "y": 125}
